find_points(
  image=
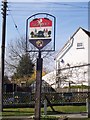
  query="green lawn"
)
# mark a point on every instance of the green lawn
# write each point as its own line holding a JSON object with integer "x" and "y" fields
{"x": 69, "y": 109}
{"x": 30, "y": 111}
{"x": 18, "y": 111}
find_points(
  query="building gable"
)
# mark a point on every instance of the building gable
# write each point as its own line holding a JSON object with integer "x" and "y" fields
{"x": 69, "y": 43}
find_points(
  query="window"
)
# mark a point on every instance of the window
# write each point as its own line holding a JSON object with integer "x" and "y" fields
{"x": 80, "y": 46}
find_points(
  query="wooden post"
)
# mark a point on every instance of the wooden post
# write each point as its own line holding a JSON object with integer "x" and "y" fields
{"x": 4, "y": 10}
{"x": 38, "y": 88}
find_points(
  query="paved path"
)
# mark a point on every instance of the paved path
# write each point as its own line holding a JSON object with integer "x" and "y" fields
{"x": 82, "y": 115}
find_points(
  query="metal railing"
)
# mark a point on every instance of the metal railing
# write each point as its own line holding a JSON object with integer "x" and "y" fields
{"x": 25, "y": 99}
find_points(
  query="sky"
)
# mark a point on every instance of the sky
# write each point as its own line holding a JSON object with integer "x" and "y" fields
{"x": 69, "y": 17}
{"x": 48, "y": 0}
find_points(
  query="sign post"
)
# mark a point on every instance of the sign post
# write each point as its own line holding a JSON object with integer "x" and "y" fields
{"x": 38, "y": 87}
{"x": 40, "y": 31}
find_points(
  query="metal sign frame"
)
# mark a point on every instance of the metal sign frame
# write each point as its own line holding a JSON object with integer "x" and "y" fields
{"x": 27, "y": 31}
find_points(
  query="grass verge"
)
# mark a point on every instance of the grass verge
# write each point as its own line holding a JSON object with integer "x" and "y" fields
{"x": 30, "y": 111}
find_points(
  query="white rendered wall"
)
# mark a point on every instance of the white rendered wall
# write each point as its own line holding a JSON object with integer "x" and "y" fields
{"x": 75, "y": 56}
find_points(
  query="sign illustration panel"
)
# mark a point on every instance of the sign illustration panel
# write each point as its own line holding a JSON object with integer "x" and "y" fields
{"x": 40, "y": 32}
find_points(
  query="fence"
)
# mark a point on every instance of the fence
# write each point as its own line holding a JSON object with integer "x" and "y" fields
{"x": 26, "y": 99}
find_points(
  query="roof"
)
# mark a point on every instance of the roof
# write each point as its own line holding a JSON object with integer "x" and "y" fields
{"x": 50, "y": 78}
{"x": 87, "y": 32}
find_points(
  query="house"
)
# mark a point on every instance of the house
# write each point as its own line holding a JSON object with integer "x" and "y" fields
{"x": 50, "y": 78}
{"x": 45, "y": 87}
{"x": 72, "y": 62}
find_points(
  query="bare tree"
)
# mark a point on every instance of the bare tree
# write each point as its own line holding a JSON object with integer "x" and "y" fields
{"x": 17, "y": 48}
{"x": 73, "y": 75}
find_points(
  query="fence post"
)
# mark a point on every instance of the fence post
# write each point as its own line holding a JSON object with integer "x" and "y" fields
{"x": 45, "y": 107}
